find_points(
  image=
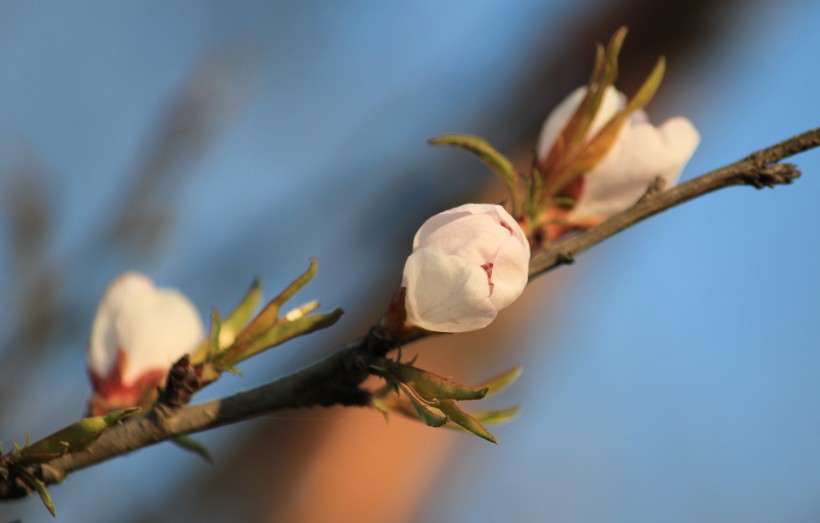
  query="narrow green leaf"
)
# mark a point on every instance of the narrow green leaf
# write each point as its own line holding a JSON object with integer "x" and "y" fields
{"x": 73, "y": 438}
{"x": 41, "y": 489}
{"x": 431, "y": 386}
{"x": 497, "y": 162}
{"x": 391, "y": 402}
{"x": 422, "y": 408}
{"x": 649, "y": 87}
{"x": 297, "y": 284}
{"x": 612, "y": 52}
{"x": 496, "y": 417}
{"x": 276, "y": 335}
{"x": 288, "y": 330}
{"x": 498, "y": 383}
{"x": 574, "y": 135}
{"x": 215, "y": 333}
{"x": 605, "y": 74}
{"x": 458, "y": 416}
{"x": 269, "y": 315}
{"x": 596, "y": 148}
{"x": 243, "y": 311}
{"x": 192, "y": 445}
{"x": 209, "y": 347}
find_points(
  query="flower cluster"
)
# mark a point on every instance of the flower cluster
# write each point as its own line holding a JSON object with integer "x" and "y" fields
{"x": 596, "y": 156}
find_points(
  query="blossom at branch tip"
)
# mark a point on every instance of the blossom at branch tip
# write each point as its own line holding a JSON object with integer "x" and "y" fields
{"x": 467, "y": 264}
{"x": 640, "y": 153}
{"x": 138, "y": 333}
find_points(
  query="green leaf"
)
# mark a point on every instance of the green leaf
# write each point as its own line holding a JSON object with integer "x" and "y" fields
{"x": 287, "y": 330}
{"x": 422, "y": 408}
{"x": 45, "y": 497}
{"x": 40, "y": 487}
{"x": 572, "y": 138}
{"x": 431, "y": 386}
{"x": 73, "y": 438}
{"x": 277, "y": 334}
{"x": 391, "y": 402}
{"x": 498, "y": 383}
{"x": 215, "y": 332}
{"x": 496, "y": 417}
{"x": 240, "y": 315}
{"x": 497, "y": 162}
{"x": 595, "y": 150}
{"x": 269, "y": 315}
{"x": 649, "y": 87}
{"x": 209, "y": 347}
{"x": 192, "y": 445}
{"x": 469, "y": 423}
{"x": 297, "y": 284}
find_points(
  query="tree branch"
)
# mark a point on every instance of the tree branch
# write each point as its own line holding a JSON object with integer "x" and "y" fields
{"x": 337, "y": 379}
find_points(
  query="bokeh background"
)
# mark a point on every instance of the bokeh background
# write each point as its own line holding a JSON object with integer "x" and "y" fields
{"x": 671, "y": 374}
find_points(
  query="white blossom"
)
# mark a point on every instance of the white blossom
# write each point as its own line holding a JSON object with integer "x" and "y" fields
{"x": 467, "y": 264}
{"x": 138, "y": 333}
{"x": 640, "y": 154}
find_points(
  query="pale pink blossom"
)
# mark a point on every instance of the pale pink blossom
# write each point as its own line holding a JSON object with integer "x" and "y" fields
{"x": 138, "y": 333}
{"x": 641, "y": 153}
{"x": 467, "y": 264}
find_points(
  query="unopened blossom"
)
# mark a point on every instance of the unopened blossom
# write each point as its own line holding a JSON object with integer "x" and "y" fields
{"x": 467, "y": 264}
{"x": 640, "y": 153}
{"x": 138, "y": 333}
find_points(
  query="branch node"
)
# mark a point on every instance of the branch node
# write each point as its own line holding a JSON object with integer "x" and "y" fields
{"x": 564, "y": 258}
{"x": 773, "y": 175}
{"x": 657, "y": 185}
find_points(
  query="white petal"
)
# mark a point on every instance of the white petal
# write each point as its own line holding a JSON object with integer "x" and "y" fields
{"x": 474, "y": 238}
{"x": 641, "y": 153}
{"x": 456, "y": 213}
{"x": 154, "y": 327}
{"x": 445, "y": 293}
{"x": 510, "y": 272}
{"x": 102, "y": 348}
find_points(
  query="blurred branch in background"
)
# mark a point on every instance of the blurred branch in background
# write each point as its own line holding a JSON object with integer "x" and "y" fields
{"x": 206, "y": 103}
{"x": 29, "y": 209}
{"x": 130, "y": 227}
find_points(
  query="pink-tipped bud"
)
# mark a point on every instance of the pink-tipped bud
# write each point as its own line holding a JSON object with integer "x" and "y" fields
{"x": 139, "y": 331}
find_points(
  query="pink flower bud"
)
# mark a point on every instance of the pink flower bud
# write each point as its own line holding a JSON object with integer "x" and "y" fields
{"x": 467, "y": 264}
{"x": 139, "y": 332}
{"x": 640, "y": 153}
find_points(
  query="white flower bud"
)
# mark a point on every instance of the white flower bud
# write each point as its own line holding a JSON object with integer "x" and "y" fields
{"x": 139, "y": 332}
{"x": 467, "y": 264}
{"x": 640, "y": 154}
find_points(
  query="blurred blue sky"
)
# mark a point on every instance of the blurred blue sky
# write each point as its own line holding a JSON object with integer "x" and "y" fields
{"x": 680, "y": 382}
